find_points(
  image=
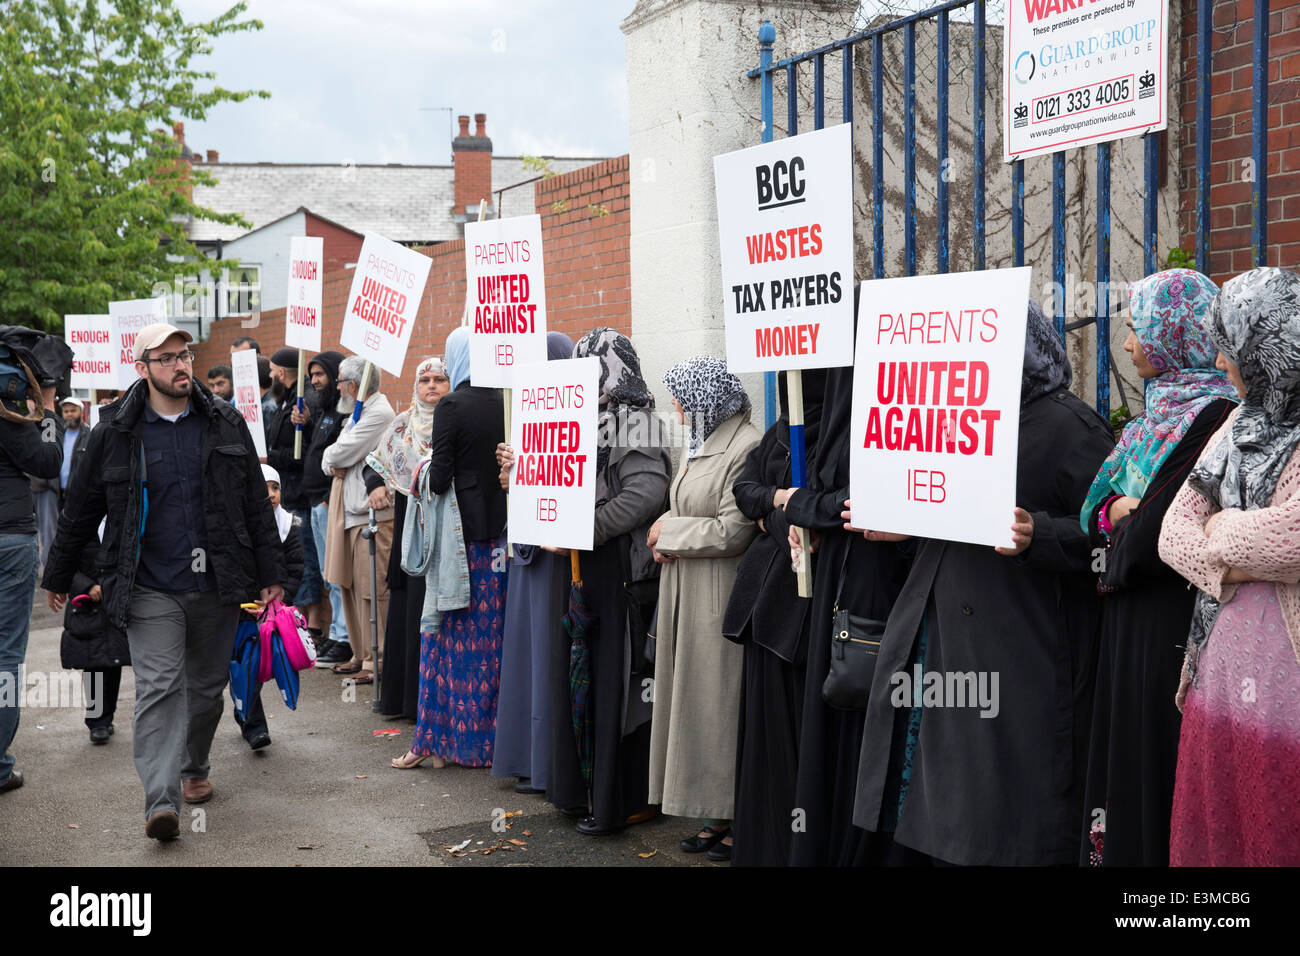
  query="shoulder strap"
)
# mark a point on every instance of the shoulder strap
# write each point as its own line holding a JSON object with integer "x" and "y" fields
{"x": 839, "y": 589}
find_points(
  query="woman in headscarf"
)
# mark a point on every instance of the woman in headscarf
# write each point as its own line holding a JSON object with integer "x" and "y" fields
{"x": 460, "y": 663}
{"x": 766, "y": 616}
{"x": 1232, "y": 531}
{"x": 700, "y": 541}
{"x": 535, "y": 601}
{"x": 605, "y": 781}
{"x": 392, "y": 466}
{"x": 993, "y": 776}
{"x": 1146, "y": 606}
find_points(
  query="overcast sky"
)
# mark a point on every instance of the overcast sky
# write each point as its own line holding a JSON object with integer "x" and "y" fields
{"x": 348, "y": 79}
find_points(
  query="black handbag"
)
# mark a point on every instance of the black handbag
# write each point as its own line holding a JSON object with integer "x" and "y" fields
{"x": 90, "y": 641}
{"x": 855, "y": 645}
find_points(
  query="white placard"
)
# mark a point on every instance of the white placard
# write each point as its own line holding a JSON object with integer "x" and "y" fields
{"x": 553, "y": 433}
{"x": 127, "y": 318}
{"x": 302, "y": 315}
{"x": 936, "y": 405}
{"x": 94, "y": 362}
{"x": 384, "y": 300}
{"x": 506, "y": 298}
{"x": 248, "y": 395}
{"x": 785, "y": 225}
{"x": 94, "y": 415}
{"x": 1076, "y": 73}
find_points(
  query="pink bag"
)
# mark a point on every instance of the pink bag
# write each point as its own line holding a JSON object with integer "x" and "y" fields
{"x": 286, "y": 622}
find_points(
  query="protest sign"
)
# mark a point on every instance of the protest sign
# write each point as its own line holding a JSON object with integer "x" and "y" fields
{"x": 126, "y": 319}
{"x": 302, "y": 318}
{"x": 91, "y": 339}
{"x": 507, "y": 298}
{"x": 94, "y": 415}
{"x": 553, "y": 484}
{"x": 384, "y": 300}
{"x": 785, "y": 226}
{"x": 1076, "y": 72}
{"x": 936, "y": 405}
{"x": 248, "y": 395}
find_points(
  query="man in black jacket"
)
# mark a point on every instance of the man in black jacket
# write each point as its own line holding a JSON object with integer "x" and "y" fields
{"x": 26, "y": 448}
{"x": 321, "y": 412}
{"x": 189, "y": 536}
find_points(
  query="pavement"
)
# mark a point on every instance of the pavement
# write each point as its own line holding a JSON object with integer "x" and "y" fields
{"x": 323, "y": 793}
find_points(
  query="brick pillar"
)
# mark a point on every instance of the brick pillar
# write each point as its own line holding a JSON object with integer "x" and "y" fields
{"x": 472, "y": 156}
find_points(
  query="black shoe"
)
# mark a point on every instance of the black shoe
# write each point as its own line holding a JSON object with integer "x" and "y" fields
{"x": 720, "y": 853}
{"x": 576, "y": 813}
{"x": 590, "y": 827}
{"x": 260, "y": 740}
{"x": 525, "y": 785}
{"x": 12, "y": 782}
{"x": 698, "y": 844}
{"x": 100, "y": 735}
{"x": 336, "y": 652}
{"x": 162, "y": 826}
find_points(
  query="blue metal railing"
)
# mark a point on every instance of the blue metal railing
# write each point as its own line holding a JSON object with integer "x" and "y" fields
{"x": 1105, "y": 364}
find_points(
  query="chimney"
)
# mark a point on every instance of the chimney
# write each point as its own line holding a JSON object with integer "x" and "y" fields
{"x": 472, "y": 159}
{"x": 213, "y": 156}
{"x": 186, "y": 161}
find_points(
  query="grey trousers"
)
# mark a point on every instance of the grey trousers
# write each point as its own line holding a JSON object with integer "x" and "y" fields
{"x": 180, "y": 652}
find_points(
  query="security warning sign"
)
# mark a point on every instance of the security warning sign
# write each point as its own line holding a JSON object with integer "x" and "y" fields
{"x": 1076, "y": 72}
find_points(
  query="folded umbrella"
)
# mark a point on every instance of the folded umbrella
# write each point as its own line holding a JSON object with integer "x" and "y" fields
{"x": 580, "y": 624}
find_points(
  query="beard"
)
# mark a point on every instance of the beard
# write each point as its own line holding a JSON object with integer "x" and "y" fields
{"x": 169, "y": 386}
{"x": 346, "y": 404}
{"x": 278, "y": 390}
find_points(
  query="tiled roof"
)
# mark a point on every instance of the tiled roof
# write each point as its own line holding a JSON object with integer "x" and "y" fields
{"x": 403, "y": 203}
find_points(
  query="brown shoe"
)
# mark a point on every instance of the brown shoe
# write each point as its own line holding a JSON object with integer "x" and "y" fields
{"x": 196, "y": 790}
{"x": 163, "y": 825}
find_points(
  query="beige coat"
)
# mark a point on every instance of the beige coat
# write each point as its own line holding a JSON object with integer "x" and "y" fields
{"x": 697, "y": 670}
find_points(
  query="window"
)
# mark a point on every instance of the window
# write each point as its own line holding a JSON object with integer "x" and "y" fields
{"x": 243, "y": 290}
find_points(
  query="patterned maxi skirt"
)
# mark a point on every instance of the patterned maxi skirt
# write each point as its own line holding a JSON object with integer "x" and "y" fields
{"x": 460, "y": 667}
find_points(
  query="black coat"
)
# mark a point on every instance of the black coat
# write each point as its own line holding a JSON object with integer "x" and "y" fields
{"x": 1004, "y": 789}
{"x": 245, "y": 547}
{"x": 280, "y": 434}
{"x": 90, "y": 641}
{"x": 1146, "y": 614}
{"x": 467, "y": 428}
{"x": 25, "y": 453}
{"x": 326, "y": 426}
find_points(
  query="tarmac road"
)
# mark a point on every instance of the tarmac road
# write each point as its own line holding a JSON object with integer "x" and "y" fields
{"x": 323, "y": 794}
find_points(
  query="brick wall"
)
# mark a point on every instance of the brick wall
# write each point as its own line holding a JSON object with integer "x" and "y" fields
{"x": 586, "y": 231}
{"x": 340, "y": 246}
{"x": 585, "y": 236}
{"x": 1231, "y": 101}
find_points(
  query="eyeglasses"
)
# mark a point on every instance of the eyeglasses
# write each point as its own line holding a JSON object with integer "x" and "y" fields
{"x": 169, "y": 359}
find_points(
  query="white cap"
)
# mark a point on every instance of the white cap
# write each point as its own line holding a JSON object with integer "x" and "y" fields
{"x": 270, "y": 474}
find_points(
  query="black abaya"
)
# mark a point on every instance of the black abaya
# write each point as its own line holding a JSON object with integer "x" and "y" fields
{"x": 399, "y": 690}
{"x": 1146, "y": 614}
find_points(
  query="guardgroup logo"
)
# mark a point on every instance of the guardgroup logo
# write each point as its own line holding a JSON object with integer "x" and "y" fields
{"x": 1025, "y": 66}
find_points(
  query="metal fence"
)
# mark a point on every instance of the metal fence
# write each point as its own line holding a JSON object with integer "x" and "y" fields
{"x": 870, "y": 42}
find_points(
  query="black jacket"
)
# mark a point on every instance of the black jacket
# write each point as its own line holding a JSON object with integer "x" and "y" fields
{"x": 292, "y": 548}
{"x": 78, "y": 452}
{"x": 245, "y": 547}
{"x": 26, "y": 448}
{"x": 280, "y": 432}
{"x": 326, "y": 425}
{"x": 467, "y": 428}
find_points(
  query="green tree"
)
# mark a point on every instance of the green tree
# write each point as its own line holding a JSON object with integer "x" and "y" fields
{"x": 94, "y": 197}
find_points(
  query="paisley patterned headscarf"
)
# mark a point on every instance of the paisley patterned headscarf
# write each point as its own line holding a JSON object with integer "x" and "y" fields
{"x": 1169, "y": 310}
{"x": 406, "y": 439}
{"x": 622, "y": 389}
{"x": 1254, "y": 321}
{"x": 708, "y": 393}
{"x": 1046, "y": 368}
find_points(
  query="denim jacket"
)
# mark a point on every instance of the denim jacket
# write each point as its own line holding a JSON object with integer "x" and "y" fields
{"x": 433, "y": 544}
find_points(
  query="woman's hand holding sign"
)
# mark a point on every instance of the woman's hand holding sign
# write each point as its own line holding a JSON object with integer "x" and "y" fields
{"x": 1022, "y": 533}
{"x": 506, "y": 461}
